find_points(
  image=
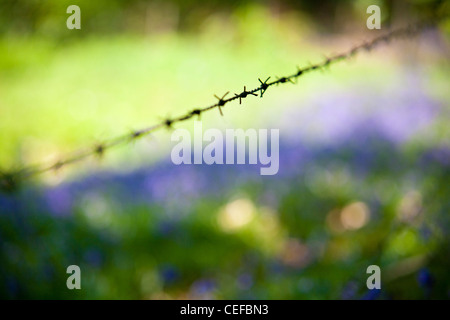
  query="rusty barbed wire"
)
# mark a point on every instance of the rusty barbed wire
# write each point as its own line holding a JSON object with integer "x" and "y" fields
{"x": 10, "y": 179}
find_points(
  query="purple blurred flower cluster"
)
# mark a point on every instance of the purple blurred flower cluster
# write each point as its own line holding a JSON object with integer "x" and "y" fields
{"x": 358, "y": 127}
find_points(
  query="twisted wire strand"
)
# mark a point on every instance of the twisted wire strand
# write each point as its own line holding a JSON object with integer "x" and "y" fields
{"x": 9, "y": 180}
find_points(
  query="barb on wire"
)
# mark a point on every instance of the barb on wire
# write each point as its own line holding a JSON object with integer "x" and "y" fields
{"x": 10, "y": 180}
{"x": 99, "y": 150}
{"x": 284, "y": 80}
{"x": 263, "y": 86}
{"x": 221, "y": 102}
{"x": 244, "y": 94}
{"x": 197, "y": 112}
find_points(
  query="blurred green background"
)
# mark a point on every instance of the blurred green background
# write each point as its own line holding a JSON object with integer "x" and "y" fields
{"x": 364, "y": 158}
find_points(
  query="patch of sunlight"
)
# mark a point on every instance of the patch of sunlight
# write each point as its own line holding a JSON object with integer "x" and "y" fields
{"x": 352, "y": 217}
{"x": 410, "y": 206}
{"x": 404, "y": 243}
{"x": 355, "y": 215}
{"x": 236, "y": 215}
{"x": 97, "y": 210}
{"x": 257, "y": 226}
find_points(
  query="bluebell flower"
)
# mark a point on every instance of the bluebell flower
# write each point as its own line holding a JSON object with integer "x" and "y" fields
{"x": 203, "y": 286}
{"x": 245, "y": 281}
{"x": 94, "y": 257}
{"x": 169, "y": 274}
{"x": 350, "y": 290}
{"x": 59, "y": 201}
{"x": 424, "y": 278}
{"x": 371, "y": 294}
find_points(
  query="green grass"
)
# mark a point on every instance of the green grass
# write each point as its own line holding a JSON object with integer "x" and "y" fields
{"x": 60, "y": 97}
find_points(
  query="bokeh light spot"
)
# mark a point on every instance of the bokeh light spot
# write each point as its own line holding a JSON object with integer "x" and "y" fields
{"x": 355, "y": 215}
{"x": 236, "y": 214}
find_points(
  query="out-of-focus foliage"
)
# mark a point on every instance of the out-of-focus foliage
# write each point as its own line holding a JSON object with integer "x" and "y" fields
{"x": 367, "y": 197}
{"x": 364, "y": 158}
{"x": 43, "y": 17}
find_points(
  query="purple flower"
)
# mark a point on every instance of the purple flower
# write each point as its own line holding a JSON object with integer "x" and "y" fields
{"x": 425, "y": 278}
{"x": 350, "y": 290}
{"x": 203, "y": 286}
{"x": 372, "y": 294}
{"x": 333, "y": 118}
{"x": 169, "y": 274}
{"x": 94, "y": 257}
{"x": 245, "y": 281}
{"x": 59, "y": 201}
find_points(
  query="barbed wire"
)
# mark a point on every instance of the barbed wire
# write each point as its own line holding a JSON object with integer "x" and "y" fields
{"x": 9, "y": 180}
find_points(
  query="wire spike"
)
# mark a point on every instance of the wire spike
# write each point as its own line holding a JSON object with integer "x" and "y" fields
{"x": 264, "y": 86}
{"x": 57, "y": 165}
{"x": 196, "y": 112}
{"x": 244, "y": 94}
{"x": 327, "y": 62}
{"x": 135, "y": 134}
{"x": 222, "y": 100}
{"x": 9, "y": 181}
{"x": 284, "y": 80}
{"x": 168, "y": 122}
{"x": 99, "y": 150}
